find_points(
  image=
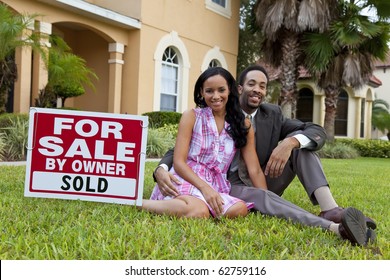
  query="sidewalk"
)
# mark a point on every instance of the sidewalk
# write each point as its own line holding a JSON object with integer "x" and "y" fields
{"x": 9, "y": 163}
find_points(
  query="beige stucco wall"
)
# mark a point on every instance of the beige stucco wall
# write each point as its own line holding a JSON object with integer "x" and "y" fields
{"x": 130, "y": 8}
{"x": 199, "y": 30}
{"x": 383, "y": 92}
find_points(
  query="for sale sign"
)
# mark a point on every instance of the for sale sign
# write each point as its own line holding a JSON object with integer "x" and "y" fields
{"x": 86, "y": 155}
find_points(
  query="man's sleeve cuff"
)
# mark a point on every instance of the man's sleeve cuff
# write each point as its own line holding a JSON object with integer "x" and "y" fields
{"x": 163, "y": 165}
{"x": 303, "y": 140}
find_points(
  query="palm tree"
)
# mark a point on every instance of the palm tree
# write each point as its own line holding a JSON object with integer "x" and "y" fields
{"x": 12, "y": 27}
{"x": 249, "y": 37}
{"x": 343, "y": 55}
{"x": 381, "y": 116}
{"x": 283, "y": 23}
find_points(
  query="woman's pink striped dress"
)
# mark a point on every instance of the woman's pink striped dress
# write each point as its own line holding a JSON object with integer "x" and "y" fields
{"x": 209, "y": 157}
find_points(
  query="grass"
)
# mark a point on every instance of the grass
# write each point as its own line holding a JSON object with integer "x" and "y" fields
{"x": 55, "y": 229}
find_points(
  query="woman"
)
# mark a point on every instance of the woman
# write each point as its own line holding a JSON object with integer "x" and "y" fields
{"x": 208, "y": 137}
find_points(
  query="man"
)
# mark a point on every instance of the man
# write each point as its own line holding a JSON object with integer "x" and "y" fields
{"x": 285, "y": 148}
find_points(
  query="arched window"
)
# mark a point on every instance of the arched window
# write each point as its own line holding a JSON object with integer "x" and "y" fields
{"x": 169, "y": 80}
{"x": 214, "y": 63}
{"x": 341, "y": 120}
{"x": 305, "y": 105}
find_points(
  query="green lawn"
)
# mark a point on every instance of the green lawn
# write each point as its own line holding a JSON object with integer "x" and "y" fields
{"x": 38, "y": 228}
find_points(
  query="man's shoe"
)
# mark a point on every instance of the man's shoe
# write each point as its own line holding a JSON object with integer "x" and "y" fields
{"x": 336, "y": 213}
{"x": 353, "y": 227}
{"x": 371, "y": 236}
{"x": 333, "y": 214}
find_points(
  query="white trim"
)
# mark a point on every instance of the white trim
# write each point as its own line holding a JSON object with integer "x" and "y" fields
{"x": 226, "y": 12}
{"x": 116, "y": 47}
{"x": 214, "y": 53}
{"x": 116, "y": 61}
{"x": 44, "y": 27}
{"x": 172, "y": 40}
{"x": 98, "y": 11}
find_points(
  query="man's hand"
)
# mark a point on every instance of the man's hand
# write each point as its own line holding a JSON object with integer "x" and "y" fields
{"x": 164, "y": 181}
{"x": 280, "y": 156}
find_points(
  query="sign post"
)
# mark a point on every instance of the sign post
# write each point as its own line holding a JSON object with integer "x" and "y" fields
{"x": 86, "y": 155}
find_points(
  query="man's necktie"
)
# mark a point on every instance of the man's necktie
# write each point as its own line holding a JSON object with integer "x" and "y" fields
{"x": 251, "y": 119}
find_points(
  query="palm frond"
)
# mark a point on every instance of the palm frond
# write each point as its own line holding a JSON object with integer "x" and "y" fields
{"x": 315, "y": 15}
{"x": 380, "y": 104}
{"x": 319, "y": 50}
{"x": 12, "y": 31}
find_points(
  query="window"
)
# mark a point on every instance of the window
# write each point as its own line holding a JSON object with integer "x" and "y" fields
{"x": 171, "y": 63}
{"x": 214, "y": 58}
{"x": 169, "y": 81}
{"x": 220, "y": 2}
{"x": 341, "y": 120}
{"x": 305, "y": 105}
{"x": 363, "y": 113}
{"x": 221, "y": 7}
{"x": 214, "y": 63}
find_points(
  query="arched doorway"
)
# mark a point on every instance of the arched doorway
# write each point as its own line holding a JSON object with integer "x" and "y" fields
{"x": 341, "y": 120}
{"x": 305, "y": 105}
{"x": 82, "y": 39}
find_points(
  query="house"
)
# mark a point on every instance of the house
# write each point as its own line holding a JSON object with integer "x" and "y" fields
{"x": 354, "y": 107}
{"x": 146, "y": 53}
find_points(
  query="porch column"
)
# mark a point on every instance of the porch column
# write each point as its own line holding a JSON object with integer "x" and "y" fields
{"x": 40, "y": 74}
{"x": 22, "y": 86}
{"x": 115, "y": 77}
{"x": 358, "y": 118}
{"x": 368, "y": 119}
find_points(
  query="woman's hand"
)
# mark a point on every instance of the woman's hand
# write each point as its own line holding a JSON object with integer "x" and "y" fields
{"x": 214, "y": 199}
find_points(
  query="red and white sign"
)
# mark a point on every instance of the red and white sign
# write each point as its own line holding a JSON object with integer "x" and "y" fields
{"x": 86, "y": 155}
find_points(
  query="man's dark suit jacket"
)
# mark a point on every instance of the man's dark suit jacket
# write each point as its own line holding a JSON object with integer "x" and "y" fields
{"x": 271, "y": 128}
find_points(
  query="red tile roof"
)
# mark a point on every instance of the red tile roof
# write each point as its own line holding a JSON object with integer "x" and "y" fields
{"x": 274, "y": 73}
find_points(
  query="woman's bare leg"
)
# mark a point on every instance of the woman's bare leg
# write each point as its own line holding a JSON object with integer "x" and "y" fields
{"x": 239, "y": 209}
{"x": 181, "y": 206}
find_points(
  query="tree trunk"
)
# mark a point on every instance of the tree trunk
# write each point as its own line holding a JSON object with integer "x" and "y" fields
{"x": 288, "y": 79}
{"x": 331, "y": 97}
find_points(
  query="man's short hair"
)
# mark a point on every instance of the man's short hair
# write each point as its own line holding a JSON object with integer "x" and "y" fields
{"x": 255, "y": 67}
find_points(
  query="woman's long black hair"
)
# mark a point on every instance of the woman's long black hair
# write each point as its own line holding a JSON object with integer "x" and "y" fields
{"x": 234, "y": 115}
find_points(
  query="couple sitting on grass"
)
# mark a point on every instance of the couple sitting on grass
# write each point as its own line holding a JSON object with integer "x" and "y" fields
{"x": 222, "y": 148}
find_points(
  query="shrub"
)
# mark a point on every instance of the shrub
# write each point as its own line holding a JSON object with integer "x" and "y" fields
{"x": 7, "y": 119}
{"x": 170, "y": 129}
{"x": 159, "y": 141}
{"x": 15, "y": 134}
{"x": 338, "y": 150}
{"x": 2, "y": 145}
{"x": 160, "y": 118}
{"x": 369, "y": 148}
